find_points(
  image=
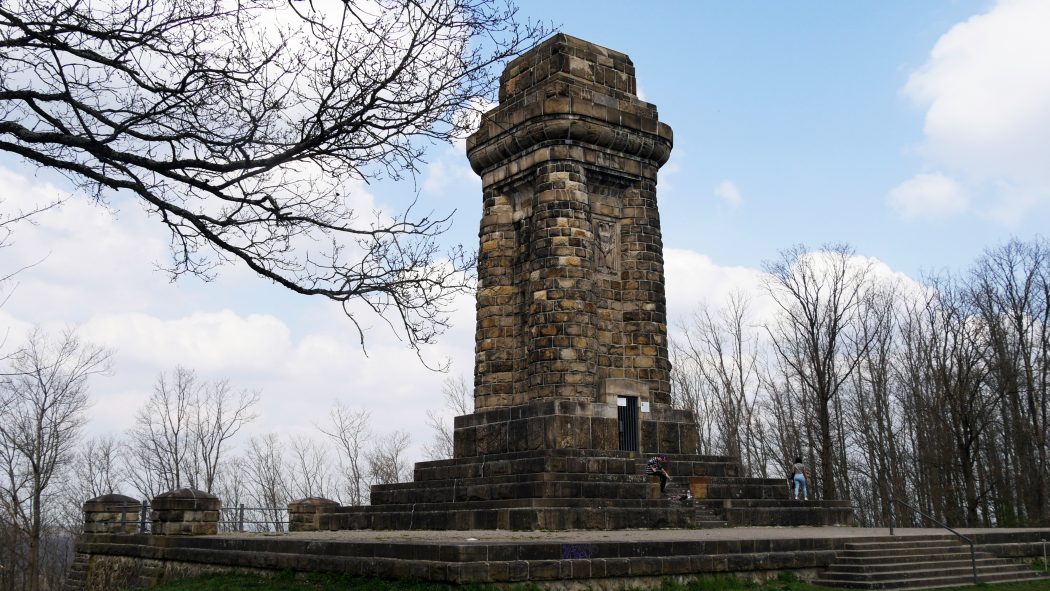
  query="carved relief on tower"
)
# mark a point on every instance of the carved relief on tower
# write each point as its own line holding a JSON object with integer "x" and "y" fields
{"x": 606, "y": 203}
{"x": 606, "y": 245}
{"x": 521, "y": 199}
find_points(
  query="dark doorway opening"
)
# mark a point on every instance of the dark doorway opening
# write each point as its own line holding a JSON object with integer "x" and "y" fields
{"x": 627, "y": 414}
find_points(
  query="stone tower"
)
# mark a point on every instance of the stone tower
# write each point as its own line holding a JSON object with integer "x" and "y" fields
{"x": 572, "y": 379}
{"x": 571, "y": 318}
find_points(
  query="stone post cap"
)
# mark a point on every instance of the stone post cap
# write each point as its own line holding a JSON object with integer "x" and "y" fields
{"x": 105, "y": 502}
{"x": 186, "y": 499}
{"x": 573, "y": 59}
{"x": 310, "y": 505}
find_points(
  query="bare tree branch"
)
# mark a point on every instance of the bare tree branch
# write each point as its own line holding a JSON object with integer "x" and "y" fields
{"x": 245, "y": 128}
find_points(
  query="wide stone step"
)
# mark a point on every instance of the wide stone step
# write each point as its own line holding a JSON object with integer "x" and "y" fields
{"x": 561, "y": 485}
{"x": 486, "y": 466}
{"x": 916, "y": 563}
{"x": 895, "y": 572}
{"x": 903, "y": 543}
{"x": 926, "y": 582}
{"x": 578, "y": 453}
{"x": 918, "y": 550}
{"x": 865, "y": 560}
{"x": 512, "y": 490}
{"x": 526, "y": 477}
{"x": 773, "y": 503}
{"x": 525, "y": 502}
{"x": 553, "y": 518}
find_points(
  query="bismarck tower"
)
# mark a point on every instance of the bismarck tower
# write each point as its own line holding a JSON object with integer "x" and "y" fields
{"x": 571, "y": 316}
{"x": 572, "y": 379}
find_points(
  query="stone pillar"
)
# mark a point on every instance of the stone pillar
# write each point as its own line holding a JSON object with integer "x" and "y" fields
{"x": 305, "y": 514}
{"x": 499, "y": 354}
{"x": 644, "y": 304}
{"x": 112, "y": 514}
{"x": 560, "y": 308}
{"x": 185, "y": 512}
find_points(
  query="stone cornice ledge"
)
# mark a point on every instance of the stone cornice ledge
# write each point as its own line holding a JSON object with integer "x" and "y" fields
{"x": 572, "y": 130}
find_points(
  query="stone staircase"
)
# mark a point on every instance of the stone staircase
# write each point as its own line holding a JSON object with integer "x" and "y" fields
{"x": 917, "y": 562}
{"x": 580, "y": 489}
{"x": 77, "y": 575}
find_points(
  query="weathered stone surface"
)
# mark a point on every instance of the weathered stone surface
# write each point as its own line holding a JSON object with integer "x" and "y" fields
{"x": 112, "y": 514}
{"x": 570, "y": 291}
{"x": 305, "y": 514}
{"x": 185, "y": 512}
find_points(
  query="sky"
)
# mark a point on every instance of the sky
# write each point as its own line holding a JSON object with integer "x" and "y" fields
{"x": 918, "y": 133}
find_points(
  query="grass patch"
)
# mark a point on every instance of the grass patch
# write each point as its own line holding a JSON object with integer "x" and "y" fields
{"x": 337, "y": 582}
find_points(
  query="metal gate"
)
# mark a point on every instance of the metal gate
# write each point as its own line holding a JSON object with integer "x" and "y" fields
{"x": 627, "y": 413}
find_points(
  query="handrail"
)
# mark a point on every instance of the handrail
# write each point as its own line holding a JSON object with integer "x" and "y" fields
{"x": 973, "y": 551}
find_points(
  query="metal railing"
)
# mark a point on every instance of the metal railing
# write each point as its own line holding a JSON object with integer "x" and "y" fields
{"x": 231, "y": 519}
{"x": 253, "y": 519}
{"x": 968, "y": 540}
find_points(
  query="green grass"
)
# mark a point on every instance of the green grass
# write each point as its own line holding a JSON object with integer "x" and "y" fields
{"x": 335, "y": 582}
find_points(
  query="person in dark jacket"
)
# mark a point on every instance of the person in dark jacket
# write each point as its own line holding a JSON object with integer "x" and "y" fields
{"x": 657, "y": 466}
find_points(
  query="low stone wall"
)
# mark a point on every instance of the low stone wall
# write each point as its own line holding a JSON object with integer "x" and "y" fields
{"x": 123, "y": 562}
{"x": 119, "y": 573}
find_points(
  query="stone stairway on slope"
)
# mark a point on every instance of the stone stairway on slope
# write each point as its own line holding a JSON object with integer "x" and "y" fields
{"x": 77, "y": 574}
{"x": 918, "y": 562}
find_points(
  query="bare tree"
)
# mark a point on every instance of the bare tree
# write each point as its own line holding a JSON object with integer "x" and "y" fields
{"x": 723, "y": 350}
{"x": 43, "y": 402}
{"x": 458, "y": 400}
{"x": 687, "y": 392}
{"x": 220, "y": 414}
{"x": 948, "y": 393}
{"x": 817, "y": 294}
{"x": 387, "y": 460}
{"x": 266, "y": 473}
{"x": 182, "y": 431}
{"x": 1010, "y": 286}
{"x": 161, "y": 438}
{"x": 96, "y": 470}
{"x": 309, "y": 473}
{"x": 244, "y": 126}
{"x": 350, "y": 431}
{"x": 873, "y": 414}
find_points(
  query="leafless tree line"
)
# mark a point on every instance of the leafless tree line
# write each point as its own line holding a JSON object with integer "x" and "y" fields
{"x": 934, "y": 393}
{"x": 182, "y": 437}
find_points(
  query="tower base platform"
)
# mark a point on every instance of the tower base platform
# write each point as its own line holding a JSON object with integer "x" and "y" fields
{"x": 581, "y": 489}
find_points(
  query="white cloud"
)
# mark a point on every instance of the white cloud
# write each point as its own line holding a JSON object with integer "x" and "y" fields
{"x": 986, "y": 91}
{"x": 302, "y": 354}
{"x": 728, "y": 192}
{"x": 694, "y": 279}
{"x": 207, "y": 341}
{"x": 928, "y": 196}
{"x": 447, "y": 172}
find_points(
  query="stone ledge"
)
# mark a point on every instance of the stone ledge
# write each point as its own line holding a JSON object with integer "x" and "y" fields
{"x": 555, "y": 563}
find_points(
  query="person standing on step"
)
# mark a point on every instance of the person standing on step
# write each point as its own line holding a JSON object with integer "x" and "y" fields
{"x": 800, "y": 475}
{"x": 657, "y": 466}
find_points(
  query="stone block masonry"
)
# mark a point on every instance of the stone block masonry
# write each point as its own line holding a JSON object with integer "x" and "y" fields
{"x": 570, "y": 275}
{"x": 185, "y": 512}
{"x": 113, "y": 513}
